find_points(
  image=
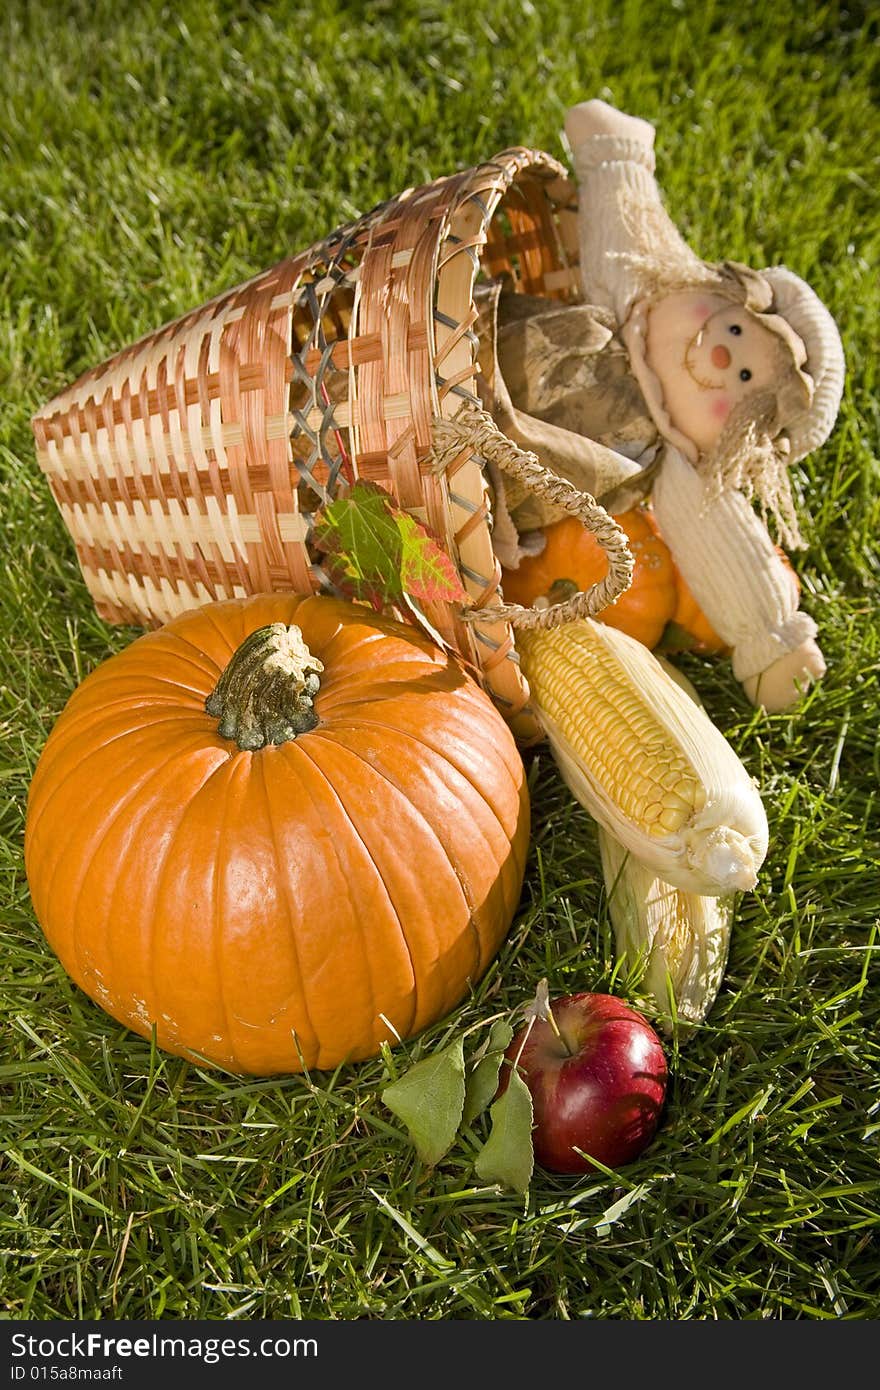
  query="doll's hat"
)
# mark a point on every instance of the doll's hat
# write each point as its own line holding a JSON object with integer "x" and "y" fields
{"x": 801, "y": 307}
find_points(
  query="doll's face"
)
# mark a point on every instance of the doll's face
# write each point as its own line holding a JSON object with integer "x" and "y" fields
{"x": 708, "y": 355}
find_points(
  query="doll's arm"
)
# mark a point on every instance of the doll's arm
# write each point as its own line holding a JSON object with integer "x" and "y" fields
{"x": 785, "y": 679}
{"x": 742, "y": 584}
{"x": 623, "y": 225}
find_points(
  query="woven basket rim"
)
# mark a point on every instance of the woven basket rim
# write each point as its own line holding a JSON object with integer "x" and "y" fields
{"x": 510, "y": 162}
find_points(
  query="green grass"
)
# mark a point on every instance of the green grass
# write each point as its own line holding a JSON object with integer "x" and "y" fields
{"x": 153, "y": 155}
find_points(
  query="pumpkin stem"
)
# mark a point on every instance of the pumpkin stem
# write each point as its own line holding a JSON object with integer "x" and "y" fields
{"x": 561, "y": 590}
{"x": 267, "y": 692}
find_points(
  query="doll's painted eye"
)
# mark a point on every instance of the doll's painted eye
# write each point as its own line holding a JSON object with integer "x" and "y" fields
{"x": 735, "y": 328}
{"x": 745, "y": 374}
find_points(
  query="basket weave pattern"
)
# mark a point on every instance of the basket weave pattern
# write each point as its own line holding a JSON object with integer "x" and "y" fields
{"x": 190, "y": 466}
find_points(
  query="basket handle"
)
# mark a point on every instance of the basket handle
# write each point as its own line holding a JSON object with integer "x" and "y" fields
{"x": 474, "y": 429}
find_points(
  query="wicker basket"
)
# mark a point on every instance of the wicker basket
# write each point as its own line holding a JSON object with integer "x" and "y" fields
{"x": 189, "y": 467}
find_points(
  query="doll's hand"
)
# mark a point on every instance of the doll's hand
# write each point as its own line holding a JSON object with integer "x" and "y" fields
{"x": 785, "y": 680}
{"x": 598, "y": 118}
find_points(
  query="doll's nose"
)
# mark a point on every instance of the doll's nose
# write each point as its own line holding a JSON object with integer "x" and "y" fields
{"x": 720, "y": 356}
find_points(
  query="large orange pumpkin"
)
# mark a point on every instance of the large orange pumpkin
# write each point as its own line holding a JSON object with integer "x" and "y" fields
{"x": 266, "y": 906}
{"x": 572, "y": 559}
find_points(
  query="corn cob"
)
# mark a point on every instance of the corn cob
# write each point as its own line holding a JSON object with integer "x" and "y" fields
{"x": 678, "y": 940}
{"x": 644, "y": 760}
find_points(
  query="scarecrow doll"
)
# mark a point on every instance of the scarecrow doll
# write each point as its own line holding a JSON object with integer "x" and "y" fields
{"x": 696, "y": 384}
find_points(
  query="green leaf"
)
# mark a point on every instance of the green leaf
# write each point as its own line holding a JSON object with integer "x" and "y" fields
{"x": 483, "y": 1080}
{"x": 361, "y": 538}
{"x": 426, "y": 571}
{"x": 508, "y": 1156}
{"x": 375, "y": 550}
{"x": 429, "y": 1098}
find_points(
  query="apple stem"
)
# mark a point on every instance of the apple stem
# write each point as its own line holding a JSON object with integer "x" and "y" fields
{"x": 556, "y": 1029}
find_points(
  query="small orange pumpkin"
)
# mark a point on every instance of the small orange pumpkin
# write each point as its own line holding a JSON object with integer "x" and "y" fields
{"x": 572, "y": 559}
{"x": 349, "y": 842}
{"x": 689, "y": 628}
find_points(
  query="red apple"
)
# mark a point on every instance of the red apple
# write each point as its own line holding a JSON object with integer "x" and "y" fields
{"x": 599, "y": 1084}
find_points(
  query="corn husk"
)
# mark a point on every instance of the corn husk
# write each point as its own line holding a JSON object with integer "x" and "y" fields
{"x": 676, "y": 943}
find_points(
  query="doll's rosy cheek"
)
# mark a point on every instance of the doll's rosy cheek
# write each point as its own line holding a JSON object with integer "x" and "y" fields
{"x": 701, "y": 310}
{"x": 720, "y": 408}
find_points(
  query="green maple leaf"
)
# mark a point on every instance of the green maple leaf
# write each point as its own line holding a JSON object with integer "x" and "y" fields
{"x": 360, "y": 535}
{"x": 426, "y": 571}
{"x": 377, "y": 551}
